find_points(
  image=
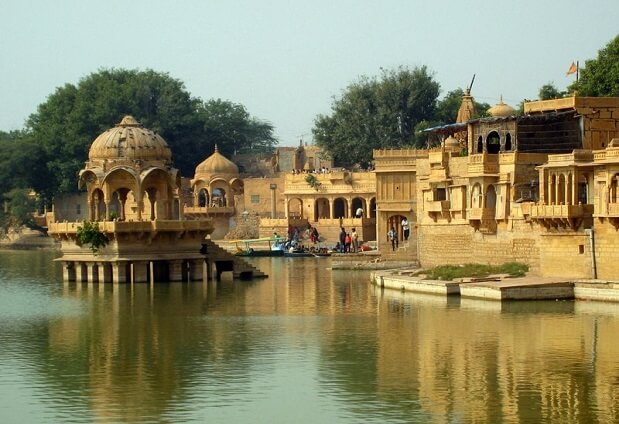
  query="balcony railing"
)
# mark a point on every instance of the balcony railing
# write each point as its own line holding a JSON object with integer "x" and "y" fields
{"x": 478, "y": 214}
{"x": 561, "y": 211}
{"x": 438, "y": 206}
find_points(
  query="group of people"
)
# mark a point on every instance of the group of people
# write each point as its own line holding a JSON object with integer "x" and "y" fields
{"x": 321, "y": 170}
{"x": 392, "y": 234}
{"x": 348, "y": 241}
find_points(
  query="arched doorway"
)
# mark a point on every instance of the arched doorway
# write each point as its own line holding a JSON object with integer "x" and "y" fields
{"x": 321, "y": 209}
{"x": 218, "y": 198}
{"x": 508, "y": 142}
{"x": 490, "y": 197}
{"x": 295, "y": 208}
{"x": 203, "y": 198}
{"x": 493, "y": 143}
{"x": 358, "y": 208}
{"x": 340, "y": 208}
{"x": 476, "y": 196}
{"x": 373, "y": 207}
{"x": 395, "y": 221}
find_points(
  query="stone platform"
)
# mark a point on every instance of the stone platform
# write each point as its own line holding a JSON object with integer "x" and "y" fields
{"x": 500, "y": 288}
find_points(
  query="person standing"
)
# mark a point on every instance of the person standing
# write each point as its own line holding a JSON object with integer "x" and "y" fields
{"x": 355, "y": 240}
{"x": 393, "y": 237}
{"x": 343, "y": 238}
{"x": 405, "y": 228}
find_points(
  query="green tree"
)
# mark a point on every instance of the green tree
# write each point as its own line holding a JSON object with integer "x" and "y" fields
{"x": 600, "y": 76}
{"x": 231, "y": 127}
{"x": 549, "y": 91}
{"x": 21, "y": 205}
{"x": 376, "y": 113}
{"x": 67, "y": 123}
{"x": 448, "y": 106}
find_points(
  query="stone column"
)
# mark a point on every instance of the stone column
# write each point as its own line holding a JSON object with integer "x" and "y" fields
{"x": 107, "y": 210}
{"x": 139, "y": 272}
{"x": 119, "y": 273}
{"x": 286, "y": 207}
{"x": 90, "y": 272}
{"x": 196, "y": 269}
{"x": 176, "y": 270}
{"x": 68, "y": 271}
{"x": 103, "y": 276}
{"x": 273, "y": 187}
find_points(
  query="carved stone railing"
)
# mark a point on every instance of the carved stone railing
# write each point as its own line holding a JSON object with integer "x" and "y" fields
{"x": 478, "y": 214}
{"x": 440, "y": 206}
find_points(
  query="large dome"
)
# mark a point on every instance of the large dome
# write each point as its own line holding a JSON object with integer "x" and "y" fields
{"x": 501, "y": 110}
{"x": 217, "y": 164}
{"x": 129, "y": 140}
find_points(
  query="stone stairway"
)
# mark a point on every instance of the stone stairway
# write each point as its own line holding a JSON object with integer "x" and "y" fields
{"x": 226, "y": 261}
{"x": 404, "y": 252}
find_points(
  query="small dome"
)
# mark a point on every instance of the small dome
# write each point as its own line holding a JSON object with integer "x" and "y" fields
{"x": 129, "y": 140}
{"x": 451, "y": 141}
{"x": 501, "y": 109}
{"x": 217, "y": 164}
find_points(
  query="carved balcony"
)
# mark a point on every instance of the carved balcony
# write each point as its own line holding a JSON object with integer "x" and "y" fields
{"x": 438, "y": 206}
{"x": 561, "y": 216}
{"x": 480, "y": 214}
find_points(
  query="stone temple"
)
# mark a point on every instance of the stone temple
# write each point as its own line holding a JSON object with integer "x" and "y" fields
{"x": 134, "y": 196}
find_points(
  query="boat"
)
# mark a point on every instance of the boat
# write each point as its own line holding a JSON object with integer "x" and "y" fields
{"x": 260, "y": 247}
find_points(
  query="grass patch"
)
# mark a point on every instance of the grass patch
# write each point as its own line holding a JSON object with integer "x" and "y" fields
{"x": 450, "y": 272}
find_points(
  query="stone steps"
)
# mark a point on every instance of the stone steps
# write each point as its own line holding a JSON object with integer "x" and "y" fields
{"x": 240, "y": 267}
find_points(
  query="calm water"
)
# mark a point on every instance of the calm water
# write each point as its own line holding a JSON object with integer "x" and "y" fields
{"x": 307, "y": 345}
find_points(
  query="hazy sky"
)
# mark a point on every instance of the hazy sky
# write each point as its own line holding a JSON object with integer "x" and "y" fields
{"x": 285, "y": 60}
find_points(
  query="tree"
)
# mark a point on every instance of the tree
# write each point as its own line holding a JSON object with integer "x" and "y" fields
{"x": 549, "y": 91}
{"x": 74, "y": 115}
{"x": 376, "y": 113}
{"x": 448, "y": 106}
{"x": 231, "y": 127}
{"x": 600, "y": 76}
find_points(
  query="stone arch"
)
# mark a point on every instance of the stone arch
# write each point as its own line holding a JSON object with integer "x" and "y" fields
{"x": 493, "y": 143}
{"x": 321, "y": 209}
{"x": 508, "y": 142}
{"x": 358, "y": 203}
{"x": 476, "y": 196}
{"x": 561, "y": 190}
{"x": 490, "y": 198}
{"x": 220, "y": 193}
{"x": 395, "y": 221}
{"x": 97, "y": 205}
{"x": 295, "y": 208}
{"x": 160, "y": 194}
{"x": 340, "y": 208}
{"x": 612, "y": 189}
{"x": 552, "y": 192}
{"x": 203, "y": 198}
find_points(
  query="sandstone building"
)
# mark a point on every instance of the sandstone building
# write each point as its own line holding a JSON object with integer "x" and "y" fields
{"x": 538, "y": 188}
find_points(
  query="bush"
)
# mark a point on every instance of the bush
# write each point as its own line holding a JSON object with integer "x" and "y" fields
{"x": 451, "y": 272}
{"x": 90, "y": 234}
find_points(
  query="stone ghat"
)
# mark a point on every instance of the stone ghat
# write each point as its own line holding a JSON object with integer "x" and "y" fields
{"x": 500, "y": 287}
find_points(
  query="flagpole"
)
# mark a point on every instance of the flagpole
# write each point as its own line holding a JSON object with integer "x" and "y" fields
{"x": 577, "y": 69}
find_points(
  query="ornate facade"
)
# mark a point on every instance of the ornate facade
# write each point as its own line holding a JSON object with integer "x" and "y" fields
{"x": 538, "y": 188}
{"x": 134, "y": 197}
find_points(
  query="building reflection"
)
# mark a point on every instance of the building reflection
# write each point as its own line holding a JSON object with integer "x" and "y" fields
{"x": 523, "y": 362}
{"x": 138, "y": 351}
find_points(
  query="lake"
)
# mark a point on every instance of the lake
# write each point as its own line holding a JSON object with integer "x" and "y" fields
{"x": 306, "y": 345}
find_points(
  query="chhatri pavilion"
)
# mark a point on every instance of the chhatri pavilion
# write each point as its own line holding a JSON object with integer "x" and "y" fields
{"x": 133, "y": 194}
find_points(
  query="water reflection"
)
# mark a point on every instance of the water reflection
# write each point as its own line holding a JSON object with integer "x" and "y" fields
{"x": 306, "y": 345}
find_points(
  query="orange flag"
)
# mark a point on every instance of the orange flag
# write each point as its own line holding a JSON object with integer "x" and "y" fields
{"x": 572, "y": 69}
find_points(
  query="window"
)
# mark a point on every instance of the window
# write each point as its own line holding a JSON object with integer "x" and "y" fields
{"x": 255, "y": 198}
{"x": 440, "y": 194}
{"x": 581, "y": 249}
{"x": 78, "y": 209}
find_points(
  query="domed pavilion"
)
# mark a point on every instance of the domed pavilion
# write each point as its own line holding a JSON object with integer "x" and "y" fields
{"x": 133, "y": 196}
